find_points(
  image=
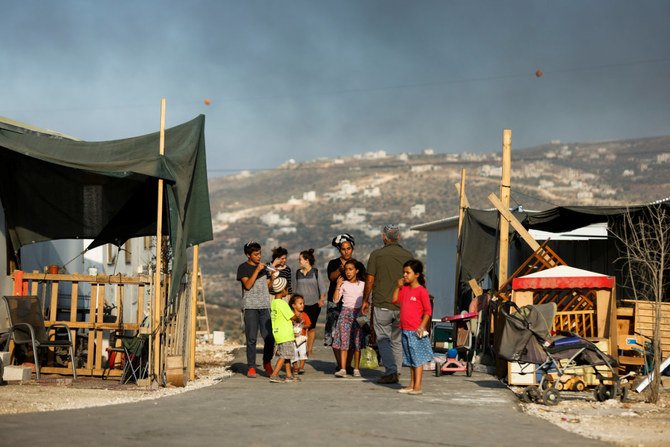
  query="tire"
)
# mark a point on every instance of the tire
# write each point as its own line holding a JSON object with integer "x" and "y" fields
{"x": 468, "y": 369}
{"x": 551, "y": 397}
{"x": 603, "y": 393}
{"x": 580, "y": 386}
{"x": 558, "y": 385}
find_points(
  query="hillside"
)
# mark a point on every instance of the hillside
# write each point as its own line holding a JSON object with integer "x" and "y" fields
{"x": 303, "y": 205}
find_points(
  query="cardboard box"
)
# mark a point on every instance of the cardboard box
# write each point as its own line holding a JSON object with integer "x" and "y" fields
{"x": 521, "y": 374}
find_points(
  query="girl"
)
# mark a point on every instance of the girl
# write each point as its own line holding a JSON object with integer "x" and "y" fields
{"x": 308, "y": 284}
{"x": 279, "y": 268}
{"x": 347, "y": 333}
{"x": 345, "y": 245}
{"x": 415, "y": 311}
{"x": 255, "y": 281}
{"x": 300, "y": 326}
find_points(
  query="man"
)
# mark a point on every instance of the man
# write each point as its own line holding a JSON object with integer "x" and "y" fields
{"x": 383, "y": 271}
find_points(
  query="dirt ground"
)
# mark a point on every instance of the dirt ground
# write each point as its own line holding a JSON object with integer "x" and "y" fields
{"x": 630, "y": 423}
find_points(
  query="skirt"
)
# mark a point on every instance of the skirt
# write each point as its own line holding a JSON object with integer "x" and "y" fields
{"x": 347, "y": 333}
{"x": 415, "y": 351}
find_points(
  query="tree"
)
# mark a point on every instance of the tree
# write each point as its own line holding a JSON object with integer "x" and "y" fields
{"x": 644, "y": 246}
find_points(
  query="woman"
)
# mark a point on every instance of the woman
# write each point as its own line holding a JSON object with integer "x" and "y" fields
{"x": 345, "y": 244}
{"x": 278, "y": 263}
{"x": 307, "y": 283}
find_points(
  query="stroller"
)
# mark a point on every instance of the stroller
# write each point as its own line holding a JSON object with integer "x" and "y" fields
{"x": 526, "y": 337}
{"x": 458, "y": 358}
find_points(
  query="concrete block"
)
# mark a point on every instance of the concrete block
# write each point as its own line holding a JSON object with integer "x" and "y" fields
{"x": 219, "y": 337}
{"x": 17, "y": 373}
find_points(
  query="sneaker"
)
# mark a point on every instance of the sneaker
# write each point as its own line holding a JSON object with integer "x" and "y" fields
{"x": 293, "y": 379}
{"x": 276, "y": 379}
{"x": 267, "y": 366}
{"x": 301, "y": 371}
{"x": 251, "y": 372}
{"x": 388, "y": 379}
{"x": 341, "y": 373}
{"x": 405, "y": 390}
{"x": 357, "y": 373}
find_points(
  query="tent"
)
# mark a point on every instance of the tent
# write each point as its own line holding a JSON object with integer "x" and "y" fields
{"x": 55, "y": 187}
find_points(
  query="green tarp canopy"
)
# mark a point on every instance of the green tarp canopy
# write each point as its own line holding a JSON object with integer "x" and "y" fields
{"x": 53, "y": 187}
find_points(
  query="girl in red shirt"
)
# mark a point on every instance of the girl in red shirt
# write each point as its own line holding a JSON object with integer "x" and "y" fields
{"x": 411, "y": 295}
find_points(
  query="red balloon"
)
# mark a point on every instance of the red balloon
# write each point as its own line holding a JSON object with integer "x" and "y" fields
{"x": 207, "y": 102}
{"x": 538, "y": 73}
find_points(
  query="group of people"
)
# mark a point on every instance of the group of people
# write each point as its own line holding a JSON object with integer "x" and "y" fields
{"x": 385, "y": 301}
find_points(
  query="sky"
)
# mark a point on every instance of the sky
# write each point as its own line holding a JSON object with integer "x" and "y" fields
{"x": 303, "y": 79}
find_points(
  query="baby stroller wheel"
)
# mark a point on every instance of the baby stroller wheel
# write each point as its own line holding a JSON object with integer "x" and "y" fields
{"x": 551, "y": 397}
{"x": 624, "y": 393}
{"x": 530, "y": 394}
{"x": 605, "y": 392}
{"x": 468, "y": 369}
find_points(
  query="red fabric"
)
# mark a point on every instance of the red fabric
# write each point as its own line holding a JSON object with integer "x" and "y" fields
{"x": 576, "y": 282}
{"x": 414, "y": 304}
{"x": 307, "y": 322}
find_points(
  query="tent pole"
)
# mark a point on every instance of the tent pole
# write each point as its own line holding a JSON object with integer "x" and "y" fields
{"x": 155, "y": 330}
{"x": 504, "y": 198}
{"x": 194, "y": 316}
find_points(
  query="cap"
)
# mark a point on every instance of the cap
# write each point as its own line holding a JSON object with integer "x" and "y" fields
{"x": 279, "y": 284}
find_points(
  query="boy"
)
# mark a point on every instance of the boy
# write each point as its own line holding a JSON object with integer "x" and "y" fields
{"x": 253, "y": 276}
{"x": 282, "y": 329}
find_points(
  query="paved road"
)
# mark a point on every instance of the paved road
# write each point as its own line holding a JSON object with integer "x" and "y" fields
{"x": 319, "y": 411}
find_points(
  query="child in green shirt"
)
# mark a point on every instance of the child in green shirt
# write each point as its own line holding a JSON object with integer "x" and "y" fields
{"x": 282, "y": 329}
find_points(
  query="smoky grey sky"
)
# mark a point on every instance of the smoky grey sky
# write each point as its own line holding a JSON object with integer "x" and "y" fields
{"x": 307, "y": 79}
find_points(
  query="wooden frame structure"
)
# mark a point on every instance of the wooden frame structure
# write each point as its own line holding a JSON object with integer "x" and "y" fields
{"x": 88, "y": 325}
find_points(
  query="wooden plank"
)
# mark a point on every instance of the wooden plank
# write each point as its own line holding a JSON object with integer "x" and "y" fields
{"x": 98, "y": 332}
{"x": 101, "y": 279}
{"x": 625, "y": 311}
{"x": 74, "y": 301}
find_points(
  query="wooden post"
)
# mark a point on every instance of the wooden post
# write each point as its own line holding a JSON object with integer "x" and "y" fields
{"x": 503, "y": 260}
{"x": 156, "y": 308}
{"x": 194, "y": 316}
{"x": 462, "y": 204}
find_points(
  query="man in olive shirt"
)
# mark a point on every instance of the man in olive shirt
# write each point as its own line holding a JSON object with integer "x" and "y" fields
{"x": 384, "y": 269}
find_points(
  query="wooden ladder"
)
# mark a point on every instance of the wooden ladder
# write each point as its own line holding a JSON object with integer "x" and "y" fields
{"x": 202, "y": 326}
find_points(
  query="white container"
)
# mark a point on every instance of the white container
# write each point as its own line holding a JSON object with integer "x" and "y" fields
{"x": 17, "y": 373}
{"x": 219, "y": 337}
{"x": 92, "y": 271}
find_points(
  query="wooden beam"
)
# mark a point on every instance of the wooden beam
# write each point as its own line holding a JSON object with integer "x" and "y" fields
{"x": 461, "y": 208}
{"x": 503, "y": 255}
{"x": 156, "y": 308}
{"x": 475, "y": 287}
{"x": 509, "y": 217}
{"x": 193, "y": 319}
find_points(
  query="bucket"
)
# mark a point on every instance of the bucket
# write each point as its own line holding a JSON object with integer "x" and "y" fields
{"x": 219, "y": 337}
{"x": 53, "y": 269}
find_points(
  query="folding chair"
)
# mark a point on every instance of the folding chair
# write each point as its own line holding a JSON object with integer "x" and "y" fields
{"x": 25, "y": 320}
{"x": 135, "y": 362}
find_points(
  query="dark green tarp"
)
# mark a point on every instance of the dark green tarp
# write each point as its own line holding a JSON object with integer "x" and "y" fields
{"x": 479, "y": 240}
{"x": 57, "y": 188}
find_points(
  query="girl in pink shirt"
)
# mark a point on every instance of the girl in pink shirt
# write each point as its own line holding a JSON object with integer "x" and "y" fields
{"x": 347, "y": 333}
{"x": 411, "y": 295}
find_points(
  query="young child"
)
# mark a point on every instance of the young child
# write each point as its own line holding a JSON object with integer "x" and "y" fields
{"x": 297, "y": 303}
{"x": 415, "y": 311}
{"x": 253, "y": 277}
{"x": 282, "y": 330}
{"x": 347, "y": 333}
